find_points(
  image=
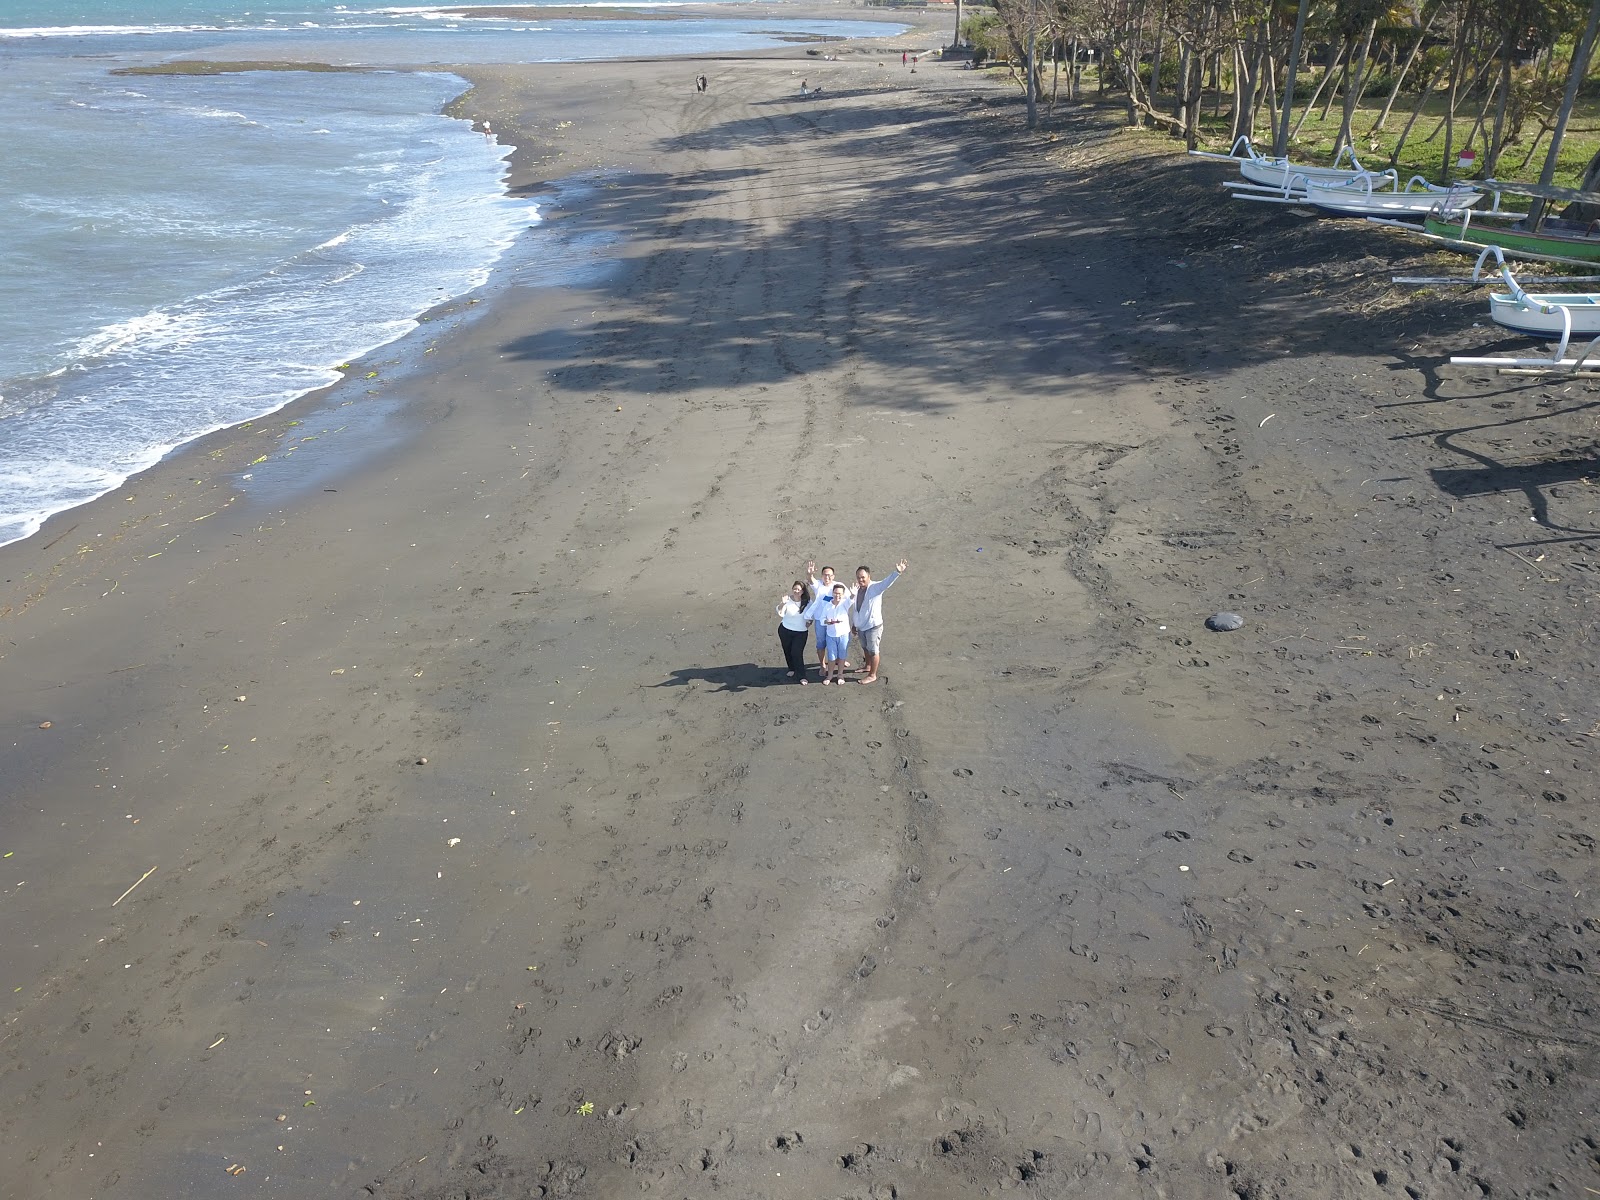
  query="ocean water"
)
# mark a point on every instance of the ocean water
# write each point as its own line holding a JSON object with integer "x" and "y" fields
{"x": 179, "y": 254}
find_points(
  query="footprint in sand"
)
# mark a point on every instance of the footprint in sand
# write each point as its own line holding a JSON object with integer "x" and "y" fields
{"x": 852, "y": 1159}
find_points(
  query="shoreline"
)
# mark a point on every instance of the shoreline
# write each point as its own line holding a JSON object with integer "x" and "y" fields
{"x": 484, "y": 819}
{"x": 460, "y": 106}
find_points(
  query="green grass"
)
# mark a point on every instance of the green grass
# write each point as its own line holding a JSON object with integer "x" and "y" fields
{"x": 1314, "y": 143}
{"x": 1426, "y": 158}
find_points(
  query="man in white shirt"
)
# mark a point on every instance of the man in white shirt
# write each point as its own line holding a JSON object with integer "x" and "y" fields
{"x": 866, "y": 615}
{"x": 822, "y": 588}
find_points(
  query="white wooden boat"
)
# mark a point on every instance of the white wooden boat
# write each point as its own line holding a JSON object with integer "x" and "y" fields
{"x": 1272, "y": 173}
{"x": 1297, "y": 188}
{"x": 1550, "y": 316}
{"x": 1371, "y": 195}
{"x": 1542, "y": 238}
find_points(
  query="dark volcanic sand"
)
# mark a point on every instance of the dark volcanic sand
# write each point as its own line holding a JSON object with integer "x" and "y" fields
{"x": 1080, "y": 899}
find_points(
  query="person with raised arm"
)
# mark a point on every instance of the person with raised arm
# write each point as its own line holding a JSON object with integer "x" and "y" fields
{"x": 822, "y": 588}
{"x": 866, "y": 615}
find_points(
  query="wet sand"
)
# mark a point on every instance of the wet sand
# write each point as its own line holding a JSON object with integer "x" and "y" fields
{"x": 1080, "y": 898}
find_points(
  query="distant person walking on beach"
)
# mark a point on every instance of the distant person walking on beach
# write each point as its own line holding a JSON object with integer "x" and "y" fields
{"x": 792, "y": 628}
{"x": 866, "y": 615}
{"x": 822, "y": 588}
{"x": 701, "y": 83}
{"x": 834, "y": 618}
{"x": 902, "y": 58}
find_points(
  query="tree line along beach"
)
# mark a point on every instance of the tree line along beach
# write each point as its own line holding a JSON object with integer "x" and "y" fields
{"x": 480, "y": 847}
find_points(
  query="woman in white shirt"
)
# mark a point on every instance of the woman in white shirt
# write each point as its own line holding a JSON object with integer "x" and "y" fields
{"x": 792, "y": 628}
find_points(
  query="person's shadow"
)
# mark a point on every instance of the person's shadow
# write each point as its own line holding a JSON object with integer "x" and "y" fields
{"x": 733, "y": 678}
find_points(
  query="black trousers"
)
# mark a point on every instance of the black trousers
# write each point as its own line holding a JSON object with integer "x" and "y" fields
{"x": 793, "y": 642}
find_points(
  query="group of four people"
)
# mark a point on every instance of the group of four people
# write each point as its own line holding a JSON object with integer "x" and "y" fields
{"x": 834, "y": 610}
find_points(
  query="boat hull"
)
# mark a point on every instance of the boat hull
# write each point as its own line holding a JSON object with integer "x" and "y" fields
{"x": 1275, "y": 173}
{"x": 1484, "y": 232}
{"x": 1505, "y": 310}
{"x": 1349, "y": 201}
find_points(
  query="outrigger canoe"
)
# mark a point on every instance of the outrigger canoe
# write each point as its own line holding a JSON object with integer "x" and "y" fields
{"x": 1379, "y": 196}
{"x": 1549, "y": 316}
{"x": 1263, "y": 171}
{"x": 1520, "y": 235}
{"x": 1554, "y": 240}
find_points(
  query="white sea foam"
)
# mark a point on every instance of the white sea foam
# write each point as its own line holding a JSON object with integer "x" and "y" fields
{"x": 168, "y": 376}
{"x": 430, "y": 11}
{"x": 50, "y": 31}
{"x": 221, "y": 114}
{"x": 148, "y": 331}
{"x": 426, "y": 218}
{"x": 206, "y": 297}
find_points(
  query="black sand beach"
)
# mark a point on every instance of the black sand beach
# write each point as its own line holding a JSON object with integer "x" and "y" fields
{"x": 494, "y": 856}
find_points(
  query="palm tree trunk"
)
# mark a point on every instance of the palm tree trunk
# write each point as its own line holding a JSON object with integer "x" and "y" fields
{"x": 1181, "y": 111}
{"x": 1317, "y": 95}
{"x": 1497, "y": 142}
{"x": 1450, "y": 104}
{"x": 1422, "y": 100}
{"x": 1132, "y": 68}
{"x": 1352, "y": 92}
{"x": 1270, "y": 88}
{"x": 1394, "y": 92}
{"x": 1280, "y": 141}
{"x": 1483, "y": 114}
{"x": 1344, "y": 80}
{"x": 1463, "y": 93}
{"x": 1580, "y": 68}
{"x": 1155, "y": 57}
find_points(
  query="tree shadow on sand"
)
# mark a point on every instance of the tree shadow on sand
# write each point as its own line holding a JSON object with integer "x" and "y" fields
{"x": 1538, "y": 479}
{"x": 926, "y": 242}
